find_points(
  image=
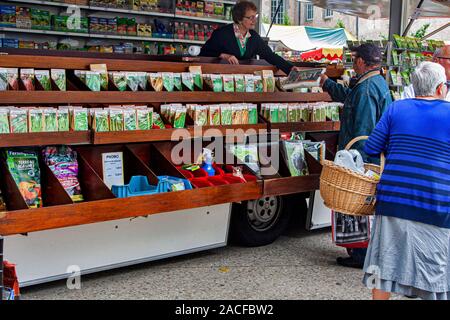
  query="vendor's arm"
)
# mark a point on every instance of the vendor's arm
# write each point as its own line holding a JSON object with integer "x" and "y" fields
{"x": 267, "y": 54}
{"x": 337, "y": 91}
{"x": 212, "y": 47}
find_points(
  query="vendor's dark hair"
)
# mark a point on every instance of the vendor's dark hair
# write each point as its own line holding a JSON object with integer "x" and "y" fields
{"x": 240, "y": 8}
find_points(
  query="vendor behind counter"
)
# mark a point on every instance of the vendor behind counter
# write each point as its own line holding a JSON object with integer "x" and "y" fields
{"x": 239, "y": 40}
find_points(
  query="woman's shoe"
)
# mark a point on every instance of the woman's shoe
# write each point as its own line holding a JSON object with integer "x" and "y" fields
{"x": 349, "y": 262}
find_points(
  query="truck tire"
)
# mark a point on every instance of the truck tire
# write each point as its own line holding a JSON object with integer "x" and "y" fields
{"x": 259, "y": 222}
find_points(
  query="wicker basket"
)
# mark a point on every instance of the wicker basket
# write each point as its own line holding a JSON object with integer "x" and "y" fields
{"x": 346, "y": 191}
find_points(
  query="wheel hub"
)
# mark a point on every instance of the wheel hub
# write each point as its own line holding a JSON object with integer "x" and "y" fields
{"x": 263, "y": 213}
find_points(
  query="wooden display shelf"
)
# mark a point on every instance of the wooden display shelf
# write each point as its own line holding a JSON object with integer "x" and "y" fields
{"x": 141, "y": 135}
{"x": 44, "y": 138}
{"x": 306, "y": 126}
{"x": 290, "y": 185}
{"x": 128, "y": 97}
{"x": 30, "y": 220}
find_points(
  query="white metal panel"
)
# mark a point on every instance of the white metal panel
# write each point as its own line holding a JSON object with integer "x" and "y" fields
{"x": 319, "y": 216}
{"x": 45, "y": 256}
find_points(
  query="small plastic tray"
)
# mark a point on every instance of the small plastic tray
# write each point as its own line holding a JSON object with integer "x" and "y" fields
{"x": 139, "y": 186}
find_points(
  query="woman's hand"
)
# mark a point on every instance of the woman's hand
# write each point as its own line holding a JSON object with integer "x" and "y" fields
{"x": 230, "y": 58}
{"x": 323, "y": 78}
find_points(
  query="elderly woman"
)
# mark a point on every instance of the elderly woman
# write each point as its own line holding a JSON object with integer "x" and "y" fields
{"x": 409, "y": 252}
{"x": 239, "y": 40}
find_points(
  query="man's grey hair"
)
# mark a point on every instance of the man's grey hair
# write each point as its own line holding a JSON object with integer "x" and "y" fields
{"x": 426, "y": 78}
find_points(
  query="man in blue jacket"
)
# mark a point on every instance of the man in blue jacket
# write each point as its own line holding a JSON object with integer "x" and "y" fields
{"x": 365, "y": 100}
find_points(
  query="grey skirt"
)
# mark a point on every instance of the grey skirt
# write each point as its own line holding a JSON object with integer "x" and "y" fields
{"x": 408, "y": 258}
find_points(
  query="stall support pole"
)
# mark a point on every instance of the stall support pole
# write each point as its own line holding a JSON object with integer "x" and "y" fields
{"x": 396, "y": 18}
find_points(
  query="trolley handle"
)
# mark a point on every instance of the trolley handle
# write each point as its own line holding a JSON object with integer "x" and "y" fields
{"x": 354, "y": 140}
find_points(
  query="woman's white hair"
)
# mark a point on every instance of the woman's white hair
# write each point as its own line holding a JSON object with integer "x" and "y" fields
{"x": 427, "y": 77}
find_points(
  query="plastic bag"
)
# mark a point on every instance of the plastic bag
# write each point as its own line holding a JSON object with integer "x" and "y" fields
{"x": 350, "y": 159}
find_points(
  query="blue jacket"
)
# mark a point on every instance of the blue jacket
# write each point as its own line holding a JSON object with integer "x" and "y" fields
{"x": 364, "y": 105}
{"x": 414, "y": 134}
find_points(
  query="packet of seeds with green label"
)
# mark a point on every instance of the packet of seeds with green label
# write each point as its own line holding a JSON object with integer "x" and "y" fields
{"x": 142, "y": 80}
{"x": 214, "y": 115}
{"x": 249, "y": 83}
{"x": 274, "y": 109}
{"x": 59, "y": 78}
{"x": 226, "y": 115}
{"x": 292, "y": 114}
{"x": 200, "y": 116}
{"x": 81, "y": 75}
{"x": 283, "y": 113}
{"x": 180, "y": 118}
{"x": 252, "y": 114}
{"x": 63, "y": 120}
{"x": 168, "y": 81}
{"x": 50, "y": 120}
{"x": 144, "y": 119}
{"x": 101, "y": 121}
{"x": 19, "y": 121}
{"x": 157, "y": 121}
{"x": 217, "y": 82}
{"x": 4, "y": 120}
{"x": 129, "y": 119}
{"x": 13, "y": 78}
{"x": 93, "y": 80}
{"x": 115, "y": 120}
{"x": 245, "y": 114}
{"x": 103, "y": 72}
{"x": 43, "y": 78}
{"x": 119, "y": 79}
{"x": 258, "y": 84}
{"x": 132, "y": 81}
{"x": 335, "y": 113}
{"x": 187, "y": 80}
{"x": 80, "y": 119}
{"x": 239, "y": 82}
{"x": 3, "y": 79}
{"x": 35, "y": 120}
{"x": 268, "y": 81}
{"x": 177, "y": 81}
{"x": 196, "y": 72}
{"x": 228, "y": 83}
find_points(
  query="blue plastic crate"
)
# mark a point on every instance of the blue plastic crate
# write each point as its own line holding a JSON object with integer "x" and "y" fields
{"x": 139, "y": 186}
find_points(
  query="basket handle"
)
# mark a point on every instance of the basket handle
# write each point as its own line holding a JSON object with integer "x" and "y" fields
{"x": 354, "y": 140}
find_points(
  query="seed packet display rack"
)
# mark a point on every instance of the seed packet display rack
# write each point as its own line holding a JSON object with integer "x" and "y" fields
{"x": 143, "y": 150}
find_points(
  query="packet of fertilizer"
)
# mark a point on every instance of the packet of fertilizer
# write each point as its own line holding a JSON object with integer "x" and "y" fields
{"x": 50, "y": 120}
{"x": 35, "y": 120}
{"x": 63, "y": 120}
{"x": 59, "y": 78}
{"x": 19, "y": 121}
{"x": 214, "y": 115}
{"x": 226, "y": 115}
{"x": 129, "y": 119}
{"x": 43, "y": 78}
{"x": 4, "y": 120}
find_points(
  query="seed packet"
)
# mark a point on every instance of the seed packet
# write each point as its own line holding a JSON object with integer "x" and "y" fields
{"x": 214, "y": 115}
{"x": 13, "y": 78}
{"x": 115, "y": 120}
{"x": 244, "y": 114}
{"x": 59, "y": 78}
{"x": 62, "y": 161}
{"x": 81, "y": 75}
{"x": 35, "y": 120}
{"x": 315, "y": 149}
{"x": 18, "y": 120}
{"x": 101, "y": 121}
{"x": 258, "y": 84}
{"x": 156, "y": 81}
{"x": 157, "y": 121}
{"x": 168, "y": 81}
{"x": 274, "y": 110}
{"x": 236, "y": 115}
{"x": 228, "y": 83}
{"x": 239, "y": 82}
{"x": 196, "y": 72}
{"x": 200, "y": 116}
{"x": 292, "y": 114}
{"x": 406, "y": 79}
{"x": 50, "y": 120}
{"x": 4, "y": 121}
{"x": 395, "y": 58}
{"x": 177, "y": 81}
{"x": 294, "y": 156}
{"x": 226, "y": 115}
{"x": 24, "y": 168}
{"x": 80, "y": 119}
{"x": 119, "y": 80}
{"x": 102, "y": 70}
{"x": 180, "y": 118}
{"x": 27, "y": 77}
{"x": 335, "y": 113}
{"x": 132, "y": 81}
{"x": 144, "y": 118}
{"x": 252, "y": 114}
{"x": 3, "y": 79}
{"x": 43, "y": 78}
{"x": 165, "y": 110}
{"x": 249, "y": 83}
{"x": 93, "y": 81}
{"x": 141, "y": 78}
{"x": 283, "y": 113}
{"x": 217, "y": 82}
{"x": 63, "y": 120}
{"x": 187, "y": 80}
{"x": 306, "y": 114}
{"x": 129, "y": 119}
{"x": 247, "y": 154}
{"x": 268, "y": 81}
